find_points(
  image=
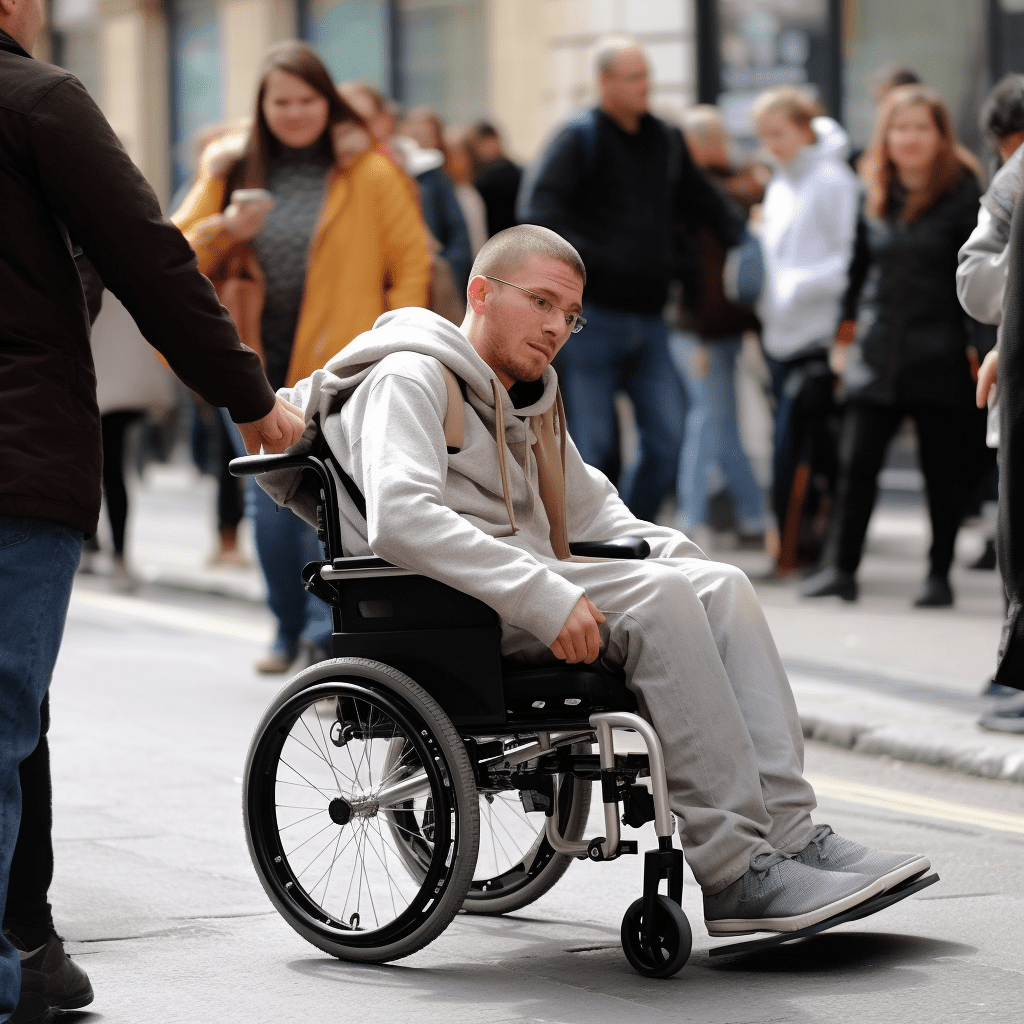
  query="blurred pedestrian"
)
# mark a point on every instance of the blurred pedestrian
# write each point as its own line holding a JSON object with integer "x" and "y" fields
{"x": 325, "y": 229}
{"x": 130, "y": 385}
{"x": 981, "y": 285}
{"x": 67, "y": 182}
{"x": 706, "y": 347}
{"x": 496, "y": 177}
{"x": 902, "y": 346}
{"x": 612, "y": 182}
{"x": 807, "y": 229}
{"x": 458, "y": 165}
{"x": 419, "y": 140}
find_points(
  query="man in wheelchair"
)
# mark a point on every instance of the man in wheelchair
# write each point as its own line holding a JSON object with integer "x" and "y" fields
{"x": 494, "y": 519}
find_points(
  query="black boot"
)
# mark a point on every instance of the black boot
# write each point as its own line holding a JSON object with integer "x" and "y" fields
{"x": 987, "y": 559}
{"x": 831, "y": 582}
{"x": 50, "y": 980}
{"x": 937, "y": 593}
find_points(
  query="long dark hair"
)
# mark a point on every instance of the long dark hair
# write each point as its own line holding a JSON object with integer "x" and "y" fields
{"x": 876, "y": 167}
{"x": 299, "y": 60}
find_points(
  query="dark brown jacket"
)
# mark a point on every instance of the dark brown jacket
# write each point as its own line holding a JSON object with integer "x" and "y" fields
{"x": 64, "y": 174}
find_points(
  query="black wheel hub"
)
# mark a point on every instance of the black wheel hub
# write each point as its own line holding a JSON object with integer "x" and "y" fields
{"x": 340, "y": 811}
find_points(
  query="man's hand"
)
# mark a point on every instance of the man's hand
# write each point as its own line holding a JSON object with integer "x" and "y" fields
{"x": 580, "y": 639}
{"x": 276, "y": 432}
{"x": 987, "y": 377}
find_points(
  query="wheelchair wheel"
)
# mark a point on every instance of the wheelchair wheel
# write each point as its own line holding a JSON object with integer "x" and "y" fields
{"x": 515, "y": 863}
{"x": 672, "y": 939}
{"x": 324, "y": 797}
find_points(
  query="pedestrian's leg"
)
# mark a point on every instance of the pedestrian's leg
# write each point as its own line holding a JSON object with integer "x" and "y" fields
{"x": 38, "y": 559}
{"x": 728, "y": 449}
{"x": 867, "y": 431}
{"x": 28, "y": 914}
{"x": 763, "y": 695}
{"x": 692, "y": 361}
{"x": 115, "y": 428}
{"x": 659, "y": 404}
{"x": 588, "y": 362}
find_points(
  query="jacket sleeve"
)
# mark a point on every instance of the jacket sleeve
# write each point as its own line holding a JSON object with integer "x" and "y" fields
{"x": 857, "y": 271}
{"x": 596, "y": 512}
{"x": 698, "y": 202}
{"x": 981, "y": 275}
{"x": 406, "y": 254}
{"x": 444, "y": 217}
{"x": 111, "y": 211}
{"x": 402, "y": 462}
{"x": 199, "y": 218}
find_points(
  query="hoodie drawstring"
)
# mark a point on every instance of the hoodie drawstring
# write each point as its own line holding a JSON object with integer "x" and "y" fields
{"x": 499, "y": 437}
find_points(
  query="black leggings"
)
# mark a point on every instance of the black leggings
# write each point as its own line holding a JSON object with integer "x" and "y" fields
{"x": 951, "y": 443}
{"x": 115, "y": 426}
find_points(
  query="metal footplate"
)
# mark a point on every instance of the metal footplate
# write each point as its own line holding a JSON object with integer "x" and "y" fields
{"x": 865, "y": 909}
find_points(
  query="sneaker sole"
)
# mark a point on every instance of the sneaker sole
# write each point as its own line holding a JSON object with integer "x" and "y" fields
{"x": 905, "y": 872}
{"x": 747, "y": 926}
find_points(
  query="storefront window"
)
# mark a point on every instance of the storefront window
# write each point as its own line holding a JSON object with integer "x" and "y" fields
{"x": 196, "y": 76}
{"x": 442, "y": 47}
{"x": 352, "y": 36}
{"x": 75, "y": 35}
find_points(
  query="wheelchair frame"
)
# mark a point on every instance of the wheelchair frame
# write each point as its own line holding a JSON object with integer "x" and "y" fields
{"x": 525, "y": 729}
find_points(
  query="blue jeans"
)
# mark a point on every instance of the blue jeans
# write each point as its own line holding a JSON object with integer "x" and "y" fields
{"x": 38, "y": 559}
{"x": 712, "y": 434}
{"x": 284, "y": 544}
{"x": 628, "y": 352}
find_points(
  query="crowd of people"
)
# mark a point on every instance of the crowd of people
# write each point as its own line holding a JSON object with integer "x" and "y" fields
{"x": 329, "y": 206}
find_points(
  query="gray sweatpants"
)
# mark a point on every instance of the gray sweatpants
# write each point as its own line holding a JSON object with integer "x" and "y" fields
{"x": 700, "y": 658}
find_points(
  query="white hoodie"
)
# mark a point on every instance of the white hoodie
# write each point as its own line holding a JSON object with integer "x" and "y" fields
{"x": 809, "y": 219}
{"x": 448, "y": 515}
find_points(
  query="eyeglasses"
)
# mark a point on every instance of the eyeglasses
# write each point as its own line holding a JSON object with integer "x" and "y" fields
{"x": 543, "y": 306}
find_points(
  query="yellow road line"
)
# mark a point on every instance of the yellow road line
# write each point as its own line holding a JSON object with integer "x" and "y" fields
{"x": 177, "y": 618}
{"x": 911, "y": 803}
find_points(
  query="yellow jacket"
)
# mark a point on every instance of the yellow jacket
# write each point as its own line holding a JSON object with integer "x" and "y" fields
{"x": 369, "y": 251}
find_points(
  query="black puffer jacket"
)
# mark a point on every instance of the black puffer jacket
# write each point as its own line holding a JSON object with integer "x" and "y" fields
{"x": 912, "y": 335}
{"x": 63, "y": 173}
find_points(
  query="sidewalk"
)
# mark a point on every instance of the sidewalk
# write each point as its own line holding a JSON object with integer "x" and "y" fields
{"x": 876, "y": 676}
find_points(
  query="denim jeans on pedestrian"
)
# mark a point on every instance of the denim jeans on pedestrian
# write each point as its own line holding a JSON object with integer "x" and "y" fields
{"x": 284, "y": 544}
{"x": 38, "y": 559}
{"x": 627, "y": 352}
{"x": 712, "y": 434}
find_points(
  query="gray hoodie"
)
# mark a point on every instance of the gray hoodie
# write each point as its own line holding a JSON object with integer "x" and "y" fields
{"x": 461, "y": 518}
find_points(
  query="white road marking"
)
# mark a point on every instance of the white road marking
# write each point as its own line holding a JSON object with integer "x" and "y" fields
{"x": 177, "y": 618}
{"x": 911, "y": 803}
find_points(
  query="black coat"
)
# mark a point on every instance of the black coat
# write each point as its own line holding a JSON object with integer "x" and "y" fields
{"x": 1011, "y": 459}
{"x": 64, "y": 174}
{"x": 912, "y": 335}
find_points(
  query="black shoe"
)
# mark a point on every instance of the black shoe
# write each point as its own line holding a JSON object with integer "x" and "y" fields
{"x": 994, "y": 689}
{"x": 987, "y": 559}
{"x": 937, "y": 593}
{"x": 50, "y": 980}
{"x": 1007, "y": 717}
{"x": 831, "y": 583}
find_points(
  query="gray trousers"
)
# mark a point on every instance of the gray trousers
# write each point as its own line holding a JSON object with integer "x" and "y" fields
{"x": 698, "y": 654}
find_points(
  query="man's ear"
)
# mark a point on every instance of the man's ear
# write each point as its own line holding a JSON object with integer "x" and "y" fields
{"x": 477, "y": 293}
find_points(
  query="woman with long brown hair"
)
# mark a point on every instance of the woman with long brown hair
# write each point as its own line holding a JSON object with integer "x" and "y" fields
{"x": 312, "y": 234}
{"x": 902, "y": 347}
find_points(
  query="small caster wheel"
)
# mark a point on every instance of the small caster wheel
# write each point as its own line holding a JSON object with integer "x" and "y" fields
{"x": 672, "y": 939}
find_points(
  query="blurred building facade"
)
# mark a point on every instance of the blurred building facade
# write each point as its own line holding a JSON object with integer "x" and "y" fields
{"x": 162, "y": 70}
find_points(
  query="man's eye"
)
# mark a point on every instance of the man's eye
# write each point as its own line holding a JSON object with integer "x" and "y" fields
{"x": 541, "y": 303}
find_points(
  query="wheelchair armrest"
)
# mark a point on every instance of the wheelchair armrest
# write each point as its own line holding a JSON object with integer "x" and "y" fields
{"x": 254, "y": 465}
{"x": 620, "y": 547}
{"x": 362, "y": 567}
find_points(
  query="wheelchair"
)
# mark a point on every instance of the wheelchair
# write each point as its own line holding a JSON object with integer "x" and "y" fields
{"x": 417, "y": 774}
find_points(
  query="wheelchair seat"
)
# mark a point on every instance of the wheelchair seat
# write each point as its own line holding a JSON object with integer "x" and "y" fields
{"x": 544, "y": 693}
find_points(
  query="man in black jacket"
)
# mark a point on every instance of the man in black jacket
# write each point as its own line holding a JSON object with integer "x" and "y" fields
{"x": 64, "y": 175}
{"x": 616, "y": 182}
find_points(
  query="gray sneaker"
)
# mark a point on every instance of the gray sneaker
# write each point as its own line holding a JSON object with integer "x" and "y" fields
{"x": 829, "y": 852}
{"x": 779, "y": 894}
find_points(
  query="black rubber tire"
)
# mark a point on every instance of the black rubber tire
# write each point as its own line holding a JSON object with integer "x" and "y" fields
{"x": 673, "y": 939}
{"x": 378, "y": 694}
{"x": 541, "y": 867}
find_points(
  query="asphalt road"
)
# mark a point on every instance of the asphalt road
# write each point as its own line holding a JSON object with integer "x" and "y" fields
{"x": 153, "y": 704}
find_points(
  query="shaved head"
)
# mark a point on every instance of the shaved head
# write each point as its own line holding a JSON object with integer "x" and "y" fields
{"x": 508, "y": 250}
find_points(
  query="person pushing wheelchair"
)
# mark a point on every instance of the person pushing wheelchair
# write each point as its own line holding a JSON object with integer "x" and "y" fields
{"x": 494, "y": 519}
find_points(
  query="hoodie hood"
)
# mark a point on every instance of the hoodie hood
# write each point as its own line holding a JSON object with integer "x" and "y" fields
{"x": 832, "y": 144}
